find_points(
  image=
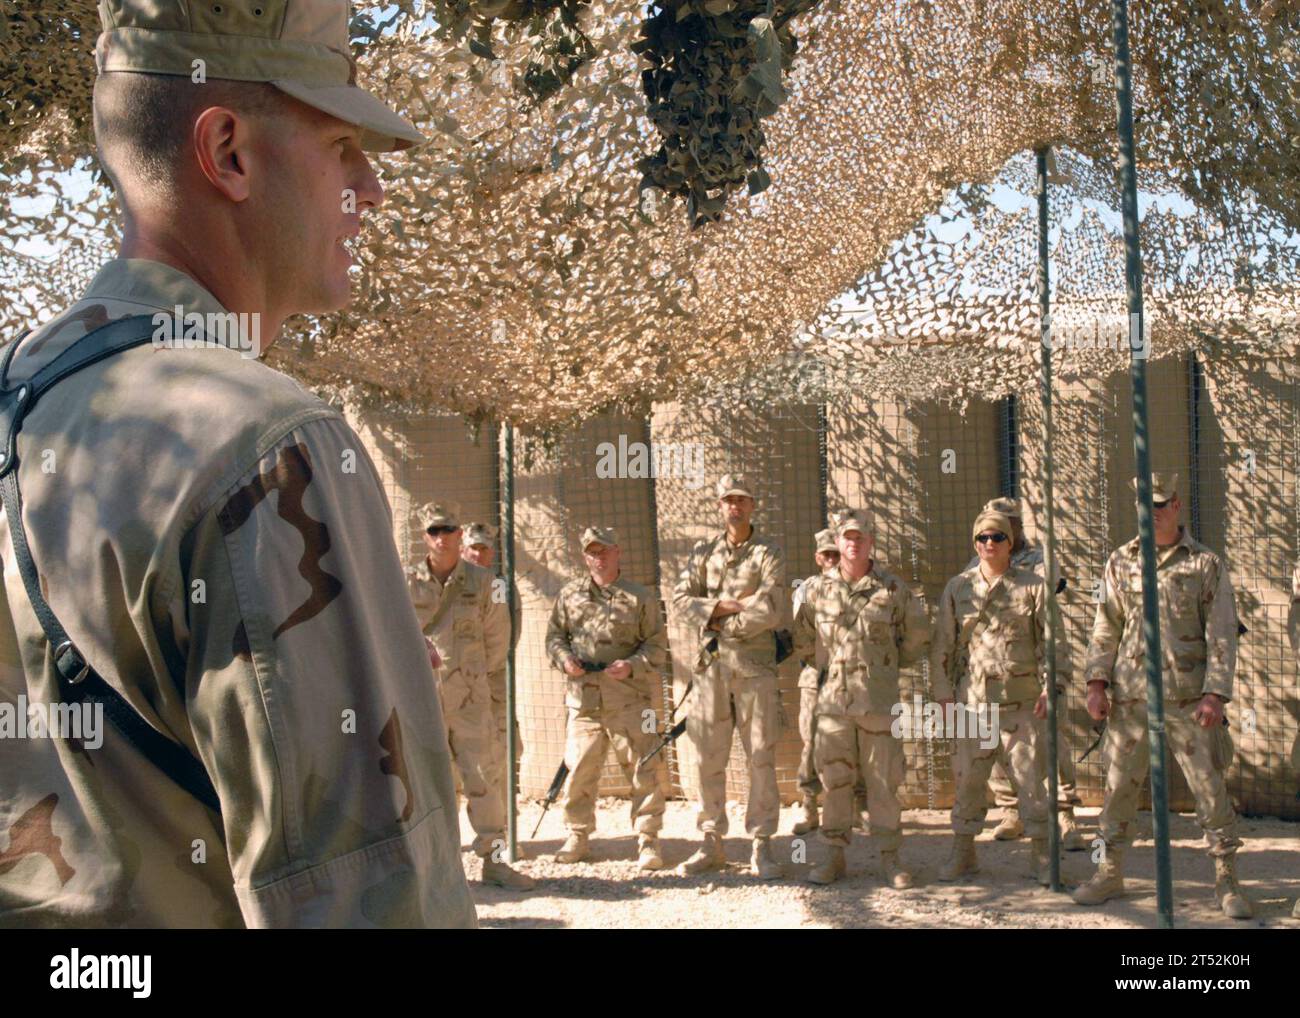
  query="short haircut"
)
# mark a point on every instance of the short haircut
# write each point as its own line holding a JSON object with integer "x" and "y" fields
{"x": 143, "y": 121}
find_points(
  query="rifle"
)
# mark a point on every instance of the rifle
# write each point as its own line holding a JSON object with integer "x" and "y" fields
{"x": 672, "y": 732}
{"x": 1100, "y": 729}
{"x": 552, "y": 793}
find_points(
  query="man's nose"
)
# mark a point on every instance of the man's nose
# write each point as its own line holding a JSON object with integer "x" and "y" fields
{"x": 369, "y": 191}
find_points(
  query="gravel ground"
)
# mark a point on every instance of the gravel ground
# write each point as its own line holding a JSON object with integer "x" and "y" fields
{"x": 607, "y": 891}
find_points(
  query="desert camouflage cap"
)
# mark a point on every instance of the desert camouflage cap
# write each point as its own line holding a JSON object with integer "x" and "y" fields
{"x": 1163, "y": 486}
{"x": 1009, "y": 507}
{"x": 598, "y": 535}
{"x": 439, "y": 513}
{"x": 826, "y": 540}
{"x": 479, "y": 533}
{"x": 854, "y": 519}
{"x": 991, "y": 521}
{"x": 733, "y": 484}
{"x": 299, "y": 46}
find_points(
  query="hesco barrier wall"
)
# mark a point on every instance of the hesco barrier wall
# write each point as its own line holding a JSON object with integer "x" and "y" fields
{"x": 1230, "y": 430}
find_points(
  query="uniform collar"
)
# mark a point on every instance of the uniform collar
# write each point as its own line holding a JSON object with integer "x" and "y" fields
{"x": 1185, "y": 540}
{"x": 603, "y": 593}
{"x": 868, "y": 580}
{"x": 157, "y": 286}
{"x": 457, "y": 575}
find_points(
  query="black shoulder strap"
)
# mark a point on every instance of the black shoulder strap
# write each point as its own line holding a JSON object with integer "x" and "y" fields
{"x": 80, "y": 682}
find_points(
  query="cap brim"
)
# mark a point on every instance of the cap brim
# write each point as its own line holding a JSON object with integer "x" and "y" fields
{"x": 383, "y": 130}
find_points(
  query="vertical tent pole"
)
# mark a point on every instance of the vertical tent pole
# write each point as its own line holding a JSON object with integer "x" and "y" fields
{"x": 508, "y": 554}
{"x": 1049, "y": 533}
{"x": 1142, "y": 452}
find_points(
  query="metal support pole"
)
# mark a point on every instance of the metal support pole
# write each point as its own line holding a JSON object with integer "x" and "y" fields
{"x": 508, "y": 565}
{"x": 1049, "y": 532}
{"x": 1138, "y": 350}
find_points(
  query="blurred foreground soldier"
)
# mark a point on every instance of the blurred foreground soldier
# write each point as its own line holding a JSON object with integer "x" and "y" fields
{"x": 988, "y": 650}
{"x": 827, "y": 557}
{"x": 730, "y": 594}
{"x": 470, "y": 632}
{"x": 1198, "y": 635}
{"x": 478, "y": 546}
{"x": 1028, "y": 555}
{"x": 859, "y": 624}
{"x": 603, "y": 619}
{"x": 275, "y": 758}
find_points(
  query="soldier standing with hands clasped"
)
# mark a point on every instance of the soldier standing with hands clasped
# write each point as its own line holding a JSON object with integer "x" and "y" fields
{"x": 469, "y": 631}
{"x": 1198, "y": 636}
{"x": 859, "y": 624}
{"x": 988, "y": 649}
{"x": 607, "y": 636}
{"x": 730, "y": 592}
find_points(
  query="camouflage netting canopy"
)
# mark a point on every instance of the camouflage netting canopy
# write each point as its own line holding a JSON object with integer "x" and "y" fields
{"x": 518, "y": 271}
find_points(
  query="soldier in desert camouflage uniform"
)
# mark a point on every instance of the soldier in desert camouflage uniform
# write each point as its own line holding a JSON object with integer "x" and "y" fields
{"x": 859, "y": 624}
{"x": 1026, "y": 554}
{"x": 988, "y": 650}
{"x": 470, "y": 631}
{"x": 1198, "y": 636}
{"x": 827, "y": 557}
{"x": 730, "y": 594}
{"x": 604, "y": 619}
{"x": 478, "y": 546}
{"x": 242, "y": 591}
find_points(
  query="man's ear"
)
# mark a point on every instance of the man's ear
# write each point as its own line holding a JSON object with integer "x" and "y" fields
{"x": 221, "y": 148}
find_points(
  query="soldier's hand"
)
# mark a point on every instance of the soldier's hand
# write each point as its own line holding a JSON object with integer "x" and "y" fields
{"x": 572, "y": 666}
{"x": 1209, "y": 712}
{"x": 435, "y": 659}
{"x": 1040, "y": 708}
{"x": 1098, "y": 701}
{"x": 619, "y": 669}
{"x": 727, "y": 608}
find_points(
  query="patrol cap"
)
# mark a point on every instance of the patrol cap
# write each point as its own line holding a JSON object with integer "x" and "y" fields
{"x": 733, "y": 484}
{"x": 826, "y": 540}
{"x": 987, "y": 520}
{"x": 1163, "y": 486}
{"x": 854, "y": 519}
{"x": 440, "y": 513}
{"x": 598, "y": 535}
{"x": 1008, "y": 507}
{"x": 299, "y": 46}
{"x": 479, "y": 533}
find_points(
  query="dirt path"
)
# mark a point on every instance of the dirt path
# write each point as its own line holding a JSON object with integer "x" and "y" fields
{"x": 607, "y": 891}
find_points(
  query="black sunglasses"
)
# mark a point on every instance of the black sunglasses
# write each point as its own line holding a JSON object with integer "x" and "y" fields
{"x": 435, "y": 531}
{"x": 1159, "y": 505}
{"x": 995, "y": 538}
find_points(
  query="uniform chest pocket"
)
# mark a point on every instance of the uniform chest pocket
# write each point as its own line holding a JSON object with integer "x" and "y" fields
{"x": 1183, "y": 592}
{"x": 879, "y": 625}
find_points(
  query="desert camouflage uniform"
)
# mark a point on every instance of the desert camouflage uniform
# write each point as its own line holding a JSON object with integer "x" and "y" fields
{"x": 988, "y": 649}
{"x": 471, "y": 637}
{"x": 810, "y": 785}
{"x": 861, "y": 634}
{"x": 601, "y": 625}
{"x": 1198, "y": 634}
{"x": 738, "y": 688}
{"x": 217, "y": 543}
{"x": 1067, "y": 793}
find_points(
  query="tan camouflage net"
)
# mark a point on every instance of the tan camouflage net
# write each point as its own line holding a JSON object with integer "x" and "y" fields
{"x": 515, "y": 271}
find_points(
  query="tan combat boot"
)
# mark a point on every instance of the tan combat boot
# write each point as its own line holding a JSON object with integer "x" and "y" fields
{"x": 1107, "y": 882}
{"x": 805, "y": 815}
{"x": 1010, "y": 828}
{"x": 1042, "y": 861}
{"x": 709, "y": 856}
{"x": 762, "y": 863}
{"x": 648, "y": 857}
{"x": 829, "y": 869}
{"x": 895, "y": 876}
{"x": 1072, "y": 839}
{"x": 574, "y": 849}
{"x": 962, "y": 859}
{"x": 500, "y": 874}
{"x": 1232, "y": 899}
